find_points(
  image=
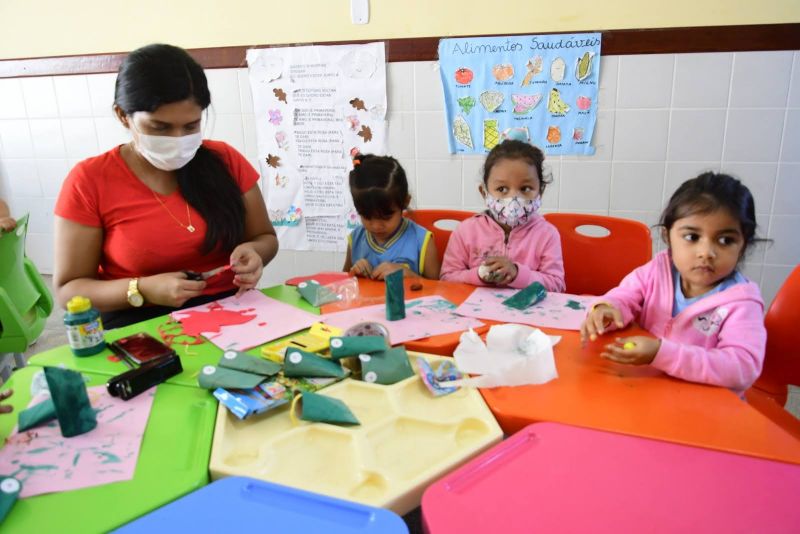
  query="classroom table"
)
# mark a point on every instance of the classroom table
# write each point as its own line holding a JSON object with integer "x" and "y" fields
{"x": 593, "y": 392}
{"x": 371, "y": 292}
{"x": 550, "y": 477}
{"x": 193, "y": 357}
{"x": 173, "y": 461}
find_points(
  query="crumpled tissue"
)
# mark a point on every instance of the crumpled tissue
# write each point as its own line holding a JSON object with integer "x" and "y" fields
{"x": 514, "y": 355}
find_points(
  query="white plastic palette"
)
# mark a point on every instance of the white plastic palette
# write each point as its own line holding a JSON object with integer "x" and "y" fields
{"x": 407, "y": 439}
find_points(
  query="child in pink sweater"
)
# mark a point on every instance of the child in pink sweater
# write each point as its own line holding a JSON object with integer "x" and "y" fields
{"x": 510, "y": 244}
{"x": 707, "y": 317}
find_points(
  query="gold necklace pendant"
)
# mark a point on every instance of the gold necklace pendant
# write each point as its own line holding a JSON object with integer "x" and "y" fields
{"x": 190, "y": 227}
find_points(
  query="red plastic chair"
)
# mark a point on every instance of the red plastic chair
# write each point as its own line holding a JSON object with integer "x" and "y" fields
{"x": 782, "y": 361}
{"x": 593, "y": 265}
{"x": 429, "y": 219}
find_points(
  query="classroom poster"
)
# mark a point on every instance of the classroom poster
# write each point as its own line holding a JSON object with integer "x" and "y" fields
{"x": 315, "y": 106}
{"x": 541, "y": 89}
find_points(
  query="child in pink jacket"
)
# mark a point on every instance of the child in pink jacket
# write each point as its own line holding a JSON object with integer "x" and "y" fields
{"x": 510, "y": 244}
{"x": 708, "y": 318}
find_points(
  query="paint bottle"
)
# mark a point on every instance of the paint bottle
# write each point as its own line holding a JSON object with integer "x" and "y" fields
{"x": 84, "y": 327}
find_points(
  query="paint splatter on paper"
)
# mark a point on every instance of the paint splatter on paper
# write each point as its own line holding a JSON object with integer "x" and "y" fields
{"x": 46, "y": 462}
{"x": 557, "y": 310}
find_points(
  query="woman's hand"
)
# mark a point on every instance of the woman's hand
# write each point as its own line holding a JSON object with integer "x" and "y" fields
{"x": 502, "y": 270}
{"x": 170, "y": 289}
{"x": 602, "y": 318}
{"x": 247, "y": 265}
{"x": 7, "y": 224}
{"x": 636, "y": 350}
{"x": 361, "y": 268}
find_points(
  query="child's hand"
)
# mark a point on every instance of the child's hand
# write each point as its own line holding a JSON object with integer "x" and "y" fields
{"x": 5, "y": 408}
{"x": 636, "y": 350}
{"x": 361, "y": 268}
{"x": 386, "y": 268}
{"x": 502, "y": 271}
{"x": 603, "y": 317}
{"x": 7, "y": 224}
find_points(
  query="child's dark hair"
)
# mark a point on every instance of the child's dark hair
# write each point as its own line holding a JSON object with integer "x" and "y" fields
{"x": 706, "y": 194}
{"x": 513, "y": 149}
{"x": 159, "y": 74}
{"x": 378, "y": 185}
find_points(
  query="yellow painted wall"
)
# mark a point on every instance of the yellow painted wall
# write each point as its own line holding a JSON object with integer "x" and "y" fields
{"x": 39, "y": 28}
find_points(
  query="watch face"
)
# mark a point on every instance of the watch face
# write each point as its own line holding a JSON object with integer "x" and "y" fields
{"x": 136, "y": 299}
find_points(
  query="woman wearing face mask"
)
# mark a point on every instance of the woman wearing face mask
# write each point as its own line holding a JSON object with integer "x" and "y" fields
{"x": 509, "y": 244}
{"x": 135, "y": 224}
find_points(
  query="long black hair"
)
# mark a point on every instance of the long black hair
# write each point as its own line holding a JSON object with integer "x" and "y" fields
{"x": 514, "y": 149}
{"x": 707, "y": 193}
{"x": 379, "y": 186}
{"x": 160, "y": 74}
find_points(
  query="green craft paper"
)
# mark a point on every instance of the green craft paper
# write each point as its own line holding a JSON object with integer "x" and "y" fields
{"x": 527, "y": 297}
{"x": 323, "y": 409}
{"x": 299, "y": 363}
{"x": 316, "y": 294}
{"x": 395, "y": 296}
{"x": 36, "y": 415}
{"x": 9, "y": 492}
{"x": 341, "y": 347}
{"x": 240, "y": 361}
{"x": 219, "y": 377}
{"x": 387, "y": 367}
{"x": 68, "y": 391}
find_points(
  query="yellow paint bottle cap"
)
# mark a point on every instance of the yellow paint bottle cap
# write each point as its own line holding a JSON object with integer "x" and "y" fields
{"x": 78, "y": 304}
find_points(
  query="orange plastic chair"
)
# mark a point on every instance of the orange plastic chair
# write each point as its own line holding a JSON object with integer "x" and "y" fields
{"x": 429, "y": 219}
{"x": 593, "y": 265}
{"x": 782, "y": 361}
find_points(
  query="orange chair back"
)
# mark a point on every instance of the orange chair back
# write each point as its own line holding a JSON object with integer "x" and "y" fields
{"x": 593, "y": 265}
{"x": 782, "y": 361}
{"x": 428, "y": 219}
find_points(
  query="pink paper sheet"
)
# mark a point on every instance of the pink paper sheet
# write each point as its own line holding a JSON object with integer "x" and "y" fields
{"x": 557, "y": 310}
{"x": 425, "y": 317}
{"x": 46, "y": 462}
{"x": 244, "y": 322}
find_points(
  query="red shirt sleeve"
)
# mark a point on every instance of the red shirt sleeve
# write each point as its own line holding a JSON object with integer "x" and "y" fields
{"x": 78, "y": 198}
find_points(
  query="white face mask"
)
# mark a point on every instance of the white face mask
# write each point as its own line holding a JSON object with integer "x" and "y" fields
{"x": 168, "y": 153}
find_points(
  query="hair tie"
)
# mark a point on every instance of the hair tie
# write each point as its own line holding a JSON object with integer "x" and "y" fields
{"x": 356, "y": 162}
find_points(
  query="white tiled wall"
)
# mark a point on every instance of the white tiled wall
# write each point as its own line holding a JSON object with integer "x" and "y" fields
{"x": 662, "y": 120}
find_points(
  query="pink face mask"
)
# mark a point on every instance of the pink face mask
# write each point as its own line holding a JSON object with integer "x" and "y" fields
{"x": 513, "y": 211}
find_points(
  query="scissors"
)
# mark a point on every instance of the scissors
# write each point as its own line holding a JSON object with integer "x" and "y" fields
{"x": 194, "y": 275}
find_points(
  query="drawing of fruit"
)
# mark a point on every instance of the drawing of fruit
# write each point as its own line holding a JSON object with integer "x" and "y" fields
{"x": 558, "y": 69}
{"x": 519, "y": 133}
{"x": 503, "y": 72}
{"x": 534, "y": 67}
{"x": 525, "y": 103}
{"x": 466, "y": 104}
{"x": 577, "y": 134}
{"x": 555, "y": 105}
{"x": 553, "y": 134}
{"x": 461, "y": 131}
{"x": 491, "y": 100}
{"x": 583, "y": 67}
{"x": 491, "y": 134}
{"x": 584, "y": 102}
{"x": 464, "y": 76}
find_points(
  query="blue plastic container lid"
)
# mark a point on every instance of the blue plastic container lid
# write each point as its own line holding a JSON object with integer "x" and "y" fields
{"x": 243, "y": 503}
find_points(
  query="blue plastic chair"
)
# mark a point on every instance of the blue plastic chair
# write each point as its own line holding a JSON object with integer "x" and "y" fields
{"x": 25, "y": 301}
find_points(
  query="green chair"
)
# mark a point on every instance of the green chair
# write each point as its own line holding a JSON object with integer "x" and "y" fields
{"x": 25, "y": 302}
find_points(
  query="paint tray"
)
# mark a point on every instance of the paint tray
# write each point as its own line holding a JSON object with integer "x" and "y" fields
{"x": 407, "y": 439}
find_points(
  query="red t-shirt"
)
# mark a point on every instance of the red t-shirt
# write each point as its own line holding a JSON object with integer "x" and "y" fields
{"x": 139, "y": 237}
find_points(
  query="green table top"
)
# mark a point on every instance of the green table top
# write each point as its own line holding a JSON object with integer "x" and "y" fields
{"x": 173, "y": 461}
{"x": 193, "y": 357}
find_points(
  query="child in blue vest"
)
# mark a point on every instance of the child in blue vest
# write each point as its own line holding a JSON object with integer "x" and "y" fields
{"x": 387, "y": 241}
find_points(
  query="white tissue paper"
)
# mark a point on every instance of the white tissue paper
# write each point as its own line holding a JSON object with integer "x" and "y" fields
{"x": 514, "y": 355}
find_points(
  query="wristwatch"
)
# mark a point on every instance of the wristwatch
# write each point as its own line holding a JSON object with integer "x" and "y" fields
{"x": 135, "y": 298}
